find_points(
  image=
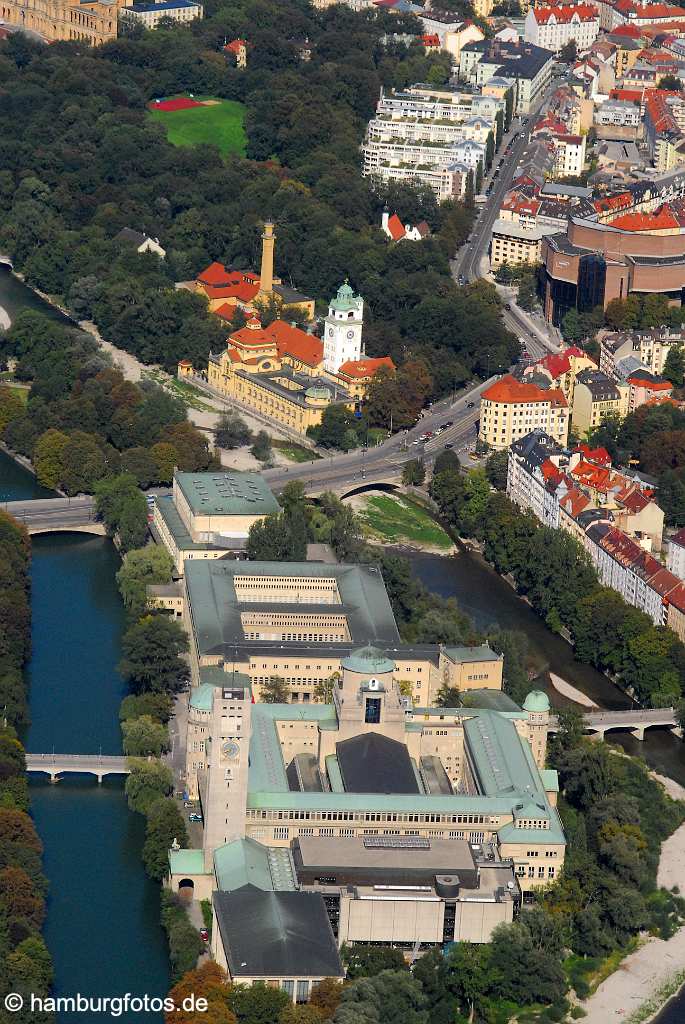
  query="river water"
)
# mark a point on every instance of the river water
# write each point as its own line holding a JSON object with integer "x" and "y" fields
{"x": 102, "y": 925}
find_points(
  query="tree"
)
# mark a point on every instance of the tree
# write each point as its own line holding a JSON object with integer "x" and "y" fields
{"x": 448, "y": 697}
{"x": 123, "y": 509}
{"x": 257, "y": 1004}
{"x": 11, "y": 407}
{"x": 47, "y": 457}
{"x": 232, "y": 431}
{"x": 323, "y": 692}
{"x": 674, "y": 366}
{"x": 413, "y": 473}
{"x": 142, "y": 567}
{"x": 141, "y": 464}
{"x": 367, "y": 961}
{"x": 164, "y": 825}
{"x": 261, "y": 447}
{"x": 670, "y": 82}
{"x": 527, "y": 293}
{"x": 157, "y": 705}
{"x": 325, "y": 995}
{"x": 568, "y": 52}
{"x": 469, "y": 975}
{"x": 496, "y": 467}
{"x": 275, "y": 691}
{"x": 143, "y": 736}
{"x": 166, "y": 458}
{"x": 146, "y": 783}
{"x": 278, "y": 538}
{"x": 152, "y": 649}
{"x": 83, "y": 463}
{"x": 209, "y": 982}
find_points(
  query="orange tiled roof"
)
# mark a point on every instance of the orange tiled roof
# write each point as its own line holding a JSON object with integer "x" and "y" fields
{"x": 659, "y": 220}
{"x": 564, "y": 15}
{"x": 511, "y": 391}
{"x": 361, "y": 368}
{"x": 396, "y": 228}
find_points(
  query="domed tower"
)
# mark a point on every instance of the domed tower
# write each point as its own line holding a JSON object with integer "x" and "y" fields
{"x": 368, "y": 698}
{"x": 537, "y": 706}
{"x": 342, "y": 336}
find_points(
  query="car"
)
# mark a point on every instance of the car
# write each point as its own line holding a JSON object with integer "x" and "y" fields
{"x": 417, "y": 440}
{"x": 194, "y": 817}
{"x": 448, "y": 446}
{"x": 447, "y": 423}
{"x": 471, "y": 405}
{"x": 204, "y": 934}
{"x": 507, "y": 305}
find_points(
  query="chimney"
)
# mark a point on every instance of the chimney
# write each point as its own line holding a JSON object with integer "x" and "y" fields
{"x": 385, "y": 218}
{"x": 266, "y": 276}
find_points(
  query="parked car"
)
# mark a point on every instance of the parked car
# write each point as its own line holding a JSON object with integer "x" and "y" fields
{"x": 470, "y": 405}
{"x": 447, "y": 446}
{"x": 195, "y": 817}
{"x": 204, "y": 934}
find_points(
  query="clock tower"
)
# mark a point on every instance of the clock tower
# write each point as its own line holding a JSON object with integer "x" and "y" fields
{"x": 342, "y": 337}
{"x": 223, "y": 786}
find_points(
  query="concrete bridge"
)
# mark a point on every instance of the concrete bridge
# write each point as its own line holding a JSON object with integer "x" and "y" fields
{"x": 55, "y": 765}
{"x": 50, "y": 515}
{"x": 601, "y": 722}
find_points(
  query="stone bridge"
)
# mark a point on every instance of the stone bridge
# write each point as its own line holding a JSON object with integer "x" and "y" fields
{"x": 55, "y": 765}
{"x": 50, "y": 515}
{"x": 601, "y": 722}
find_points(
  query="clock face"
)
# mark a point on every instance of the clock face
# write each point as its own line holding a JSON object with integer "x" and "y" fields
{"x": 350, "y": 334}
{"x": 330, "y": 332}
{"x": 230, "y": 749}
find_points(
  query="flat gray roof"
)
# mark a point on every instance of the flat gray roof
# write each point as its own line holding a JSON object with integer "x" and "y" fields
{"x": 439, "y": 856}
{"x": 228, "y": 494}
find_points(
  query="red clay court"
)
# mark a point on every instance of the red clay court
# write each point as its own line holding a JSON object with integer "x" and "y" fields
{"x": 182, "y": 103}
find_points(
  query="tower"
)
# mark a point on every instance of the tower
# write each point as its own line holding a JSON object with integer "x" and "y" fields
{"x": 342, "y": 337}
{"x": 223, "y": 787}
{"x": 266, "y": 275}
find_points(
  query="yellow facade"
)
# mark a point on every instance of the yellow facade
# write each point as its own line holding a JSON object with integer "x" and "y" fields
{"x": 588, "y": 412}
{"x": 94, "y": 23}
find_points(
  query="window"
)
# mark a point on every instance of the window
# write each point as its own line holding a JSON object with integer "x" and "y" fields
{"x": 372, "y": 714}
{"x": 302, "y": 992}
{"x": 281, "y": 832}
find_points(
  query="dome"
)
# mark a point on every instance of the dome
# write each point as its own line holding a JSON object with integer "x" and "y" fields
{"x": 345, "y": 299}
{"x": 536, "y": 701}
{"x": 368, "y": 661}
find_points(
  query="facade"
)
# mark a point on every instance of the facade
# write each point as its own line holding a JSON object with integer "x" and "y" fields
{"x": 675, "y": 560}
{"x": 592, "y": 263}
{"x": 149, "y": 15}
{"x": 342, "y": 333}
{"x": 597, "y": 396}
{"x": 396, "y": 231}
{"x": 552, "y": 27}
{"x": 648, "y": 348}
{"x": 527, "y": 65}
{"x": 561, "y": 369}
{"x": 209, "y": 515}
{"x": 140, "y": 242}
{"x": 514, "y": 243}
{"x": 94, "y": 23}
{"x": 510, "y": 409}
{"x": 619, "y": 113}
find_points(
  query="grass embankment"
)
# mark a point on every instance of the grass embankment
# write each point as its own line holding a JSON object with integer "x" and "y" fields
{"x": 397, "y": 521}
{"x": 220, "y": 124}
{"x": 293, "y": 451}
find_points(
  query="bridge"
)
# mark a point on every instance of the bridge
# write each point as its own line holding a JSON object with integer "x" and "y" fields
{"x": 601, "y": 722}
{"x": 55, "y": 765}
{"x": 50, "y": 515}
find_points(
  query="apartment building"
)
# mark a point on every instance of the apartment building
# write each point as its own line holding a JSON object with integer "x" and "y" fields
{"x": 554, "y": 26}
{"x": 149, "y": 15}
{"x": 618, "y": 113}
{"x": 514, "y": 243}
{"x": 561, "y": 369}
{"x": 647, "y": 348}
{"x": 510, "y": 409}
{"x": 597, "y": 396}
{"x": 418, "y": 103}
{"x": 529, "y": 66}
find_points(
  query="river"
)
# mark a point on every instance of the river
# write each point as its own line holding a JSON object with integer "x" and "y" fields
{"x": 102, "y": 925}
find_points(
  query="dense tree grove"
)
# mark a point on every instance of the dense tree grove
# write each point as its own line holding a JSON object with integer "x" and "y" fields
{"x": 84, "y": 423}
{"x": 81, "y": 159}
{"x": 25, "y": 964}
{"x": 555, "y": 574}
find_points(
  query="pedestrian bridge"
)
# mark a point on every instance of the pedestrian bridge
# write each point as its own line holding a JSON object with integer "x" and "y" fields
{"x": 50, "y": 515}
{"x": 55, "y": 765}
{"x": 601, "y": 722}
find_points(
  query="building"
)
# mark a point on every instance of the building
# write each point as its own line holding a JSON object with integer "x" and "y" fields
{"x": 209, "y": 515}
{"x": 510, "y": 409}
{"x": 140, "y": 242}
{"x": 675, "y": 559}
{"x": 342, "y": 331}
{"x": 452, "y": 35}
{"x": 527, "y": 65}
{"x": 301, "y": 621}
{"x": 596, "y": 397}
{"x": 393, "y": 227}
{"x": 94, "y": 23}
{"x": 619, "y": 113}
{"x": 368, "y": 767}
{"x": 227, "y": 290}
{"x": 592, "y": 263}
{"x": 647, "y": 348}
{"x": 561, "y": 369}
{"x": 238, "y": 50}
{"x": 149, "y": 15}
{"x": 515, "y": 243}
{"x": 646, "y": 387}
{"x": 552, "y": 27}
{"x": 287, "y": 374}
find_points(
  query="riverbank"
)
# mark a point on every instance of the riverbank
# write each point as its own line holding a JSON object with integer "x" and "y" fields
{"x": 397, "y": 520}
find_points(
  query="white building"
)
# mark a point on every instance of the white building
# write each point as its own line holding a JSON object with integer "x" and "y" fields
{"x": 151, "y": 14}
{"x": 621, "y": 113}
{"x": 553, "y": 27}
{"x": 675, "y": 562}
{"x": 342, "y": 336}
{"x": 569, "y": 155}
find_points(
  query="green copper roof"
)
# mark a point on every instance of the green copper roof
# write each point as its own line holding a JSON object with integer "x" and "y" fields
{"x": 201, "y": 697}
{"x": 229, "y": 494}
{"x": 536, "y": 701}
{"x": 461, "y": 655}
{"x": 247, "y": 862}
{"x": 212, "y": 676}
{"x": 187, "y": 862}
{"x": 345, "y": 300}
{"x": 550, "y": 779}
{"x": 368, "y": 660}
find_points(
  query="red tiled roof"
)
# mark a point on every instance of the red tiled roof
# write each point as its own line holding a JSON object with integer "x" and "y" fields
{"x": 396, "y": 228}
{"x": 226, "y": 312}
{"x": 631, "y": 31}
{"x": 574, "y": 502}
{"x": 659, "y": 220}
{"x": 360, "y": 368}
{"x": 215, "y": 274}
{"x": 636, "y": 502}
{"x": 599, "y": 455}
{"x": 235, "y": 45}
{"x": 564, "y": 15}
{"x": 291, "y": 341}
{"x": 511, "y": 391}
{"x": 431, "y": 40}
{"x": 651, "y": 385}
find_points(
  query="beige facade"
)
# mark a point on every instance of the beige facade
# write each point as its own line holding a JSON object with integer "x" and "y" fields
{"x": 95, "y": 23}
{"x": 514, "y": 243}
{"x": 510, "y": 409}
{"x": 590, "y": 409}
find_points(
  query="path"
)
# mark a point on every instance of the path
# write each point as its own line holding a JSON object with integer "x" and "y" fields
{"x": 642, "y": 974}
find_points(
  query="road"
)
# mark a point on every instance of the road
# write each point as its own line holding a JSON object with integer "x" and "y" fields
{"x": 41, "y": 513}
{"x": 384, "y": 460}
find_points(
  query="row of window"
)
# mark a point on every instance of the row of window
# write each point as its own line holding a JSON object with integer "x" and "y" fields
{"x": 456, "y": 819}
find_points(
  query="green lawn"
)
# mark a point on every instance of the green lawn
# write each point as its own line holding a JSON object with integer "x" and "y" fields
{"x": 295, "y": 452}
{"x": 396, "y": 520}
{"x": 220, "y": 124}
